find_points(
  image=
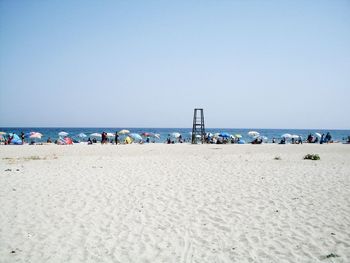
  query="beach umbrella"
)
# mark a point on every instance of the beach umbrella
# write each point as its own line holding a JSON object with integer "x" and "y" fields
{"x": 35, "y": 135}
{"x": 318, "y": 134}
{"x": 15, "y": 138}
{"x": 135, "y": 136}
{"x": 253, "y": 133}
{"x": 238, "y": 136}
{"x": 124, "y": 132}
{"x": 63, "y": 133}
{"x": 216, "y": 134}
{"x": 175, "y": 134}
{"x": 96, "y": 135}
{"x": 286, "y": 136}
{"x": 264, "y": 138}
{"x": 225, "y": 135}
{"x": 68, "y": 140}
{"x": 128, "y": 140}
{"x": 147, "y": 134}
{"x": 150, "y": 134}
{"x": 2, "y": 133}
{"x": 109, "y": 134}
{"x": 82, "y": 135}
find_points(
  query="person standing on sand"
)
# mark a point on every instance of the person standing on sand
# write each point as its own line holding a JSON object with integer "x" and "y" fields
{"x": 116, "y": 138}
{"x": 103, "y": 138}
{"x": 22, "y": 137}
{"x": 322, "y": 138}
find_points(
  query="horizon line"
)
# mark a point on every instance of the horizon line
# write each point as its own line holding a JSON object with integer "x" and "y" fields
{"x": 134, "y": 127}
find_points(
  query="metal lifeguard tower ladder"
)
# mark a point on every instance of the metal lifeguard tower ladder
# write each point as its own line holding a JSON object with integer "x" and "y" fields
{"x": 198, "y": 130}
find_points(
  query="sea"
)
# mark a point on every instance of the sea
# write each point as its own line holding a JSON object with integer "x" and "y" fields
{"x": 52, "y": 133}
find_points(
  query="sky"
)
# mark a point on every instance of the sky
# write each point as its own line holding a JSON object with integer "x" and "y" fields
{"x": 248, "y": 64}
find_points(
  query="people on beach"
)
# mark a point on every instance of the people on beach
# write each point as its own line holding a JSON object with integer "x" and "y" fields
{"x": 22, "y": 137}
{"x": 322, "y": 138}
{"x": 328, "y": 138}
{"x": 103, "y": 138}
{"x": 300, "y": 141}
{"x": 116, "y": 138}
{"x": 309, "y": 138}
{"x": 257, "y": 140}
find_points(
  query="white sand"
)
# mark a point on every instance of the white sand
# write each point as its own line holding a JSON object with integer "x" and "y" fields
{"x": 174, "y": 203}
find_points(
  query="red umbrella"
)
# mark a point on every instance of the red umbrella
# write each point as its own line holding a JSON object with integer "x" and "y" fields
{"x": 68, "y": 140}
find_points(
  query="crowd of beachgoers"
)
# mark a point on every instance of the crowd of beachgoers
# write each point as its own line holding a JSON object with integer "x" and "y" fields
{"x": 126, "y": 137}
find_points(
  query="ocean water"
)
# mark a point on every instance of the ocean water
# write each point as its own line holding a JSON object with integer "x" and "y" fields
{"x": 337, "y": 135}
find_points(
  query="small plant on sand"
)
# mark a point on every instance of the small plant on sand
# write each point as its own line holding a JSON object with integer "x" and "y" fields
{"x": 277, "y": 158}
{"x": 32, "y": 158}
{"x": 331, "y": 255}
{"x": 312, "y": 157}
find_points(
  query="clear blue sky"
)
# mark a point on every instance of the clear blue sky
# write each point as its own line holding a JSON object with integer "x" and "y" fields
{"x": 263, "y": 64}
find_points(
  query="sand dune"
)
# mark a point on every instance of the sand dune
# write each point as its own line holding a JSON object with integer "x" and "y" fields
{"x": 174, "y": 203}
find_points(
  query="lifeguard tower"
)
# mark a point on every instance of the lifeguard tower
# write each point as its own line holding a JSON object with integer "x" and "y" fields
{"x": 198, "y": 129}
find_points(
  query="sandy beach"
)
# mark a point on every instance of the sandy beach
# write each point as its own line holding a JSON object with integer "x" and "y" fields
{"x": 174, "y": 203}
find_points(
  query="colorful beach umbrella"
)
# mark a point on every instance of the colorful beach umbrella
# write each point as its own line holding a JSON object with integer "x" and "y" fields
{"x": 238, "y": 136}
{"x": 35, "y": 135}
{"x": 68, "y": 140}
{"x": 15, "y": 138}
{"x": 128, "y": 140}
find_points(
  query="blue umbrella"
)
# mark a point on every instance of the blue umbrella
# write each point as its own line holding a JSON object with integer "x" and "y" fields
{"x": 15, "y": 139}
{"x": 82, "y": 135}
{"x": 225, "y": 135}
{"x": 135, "y": 136}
